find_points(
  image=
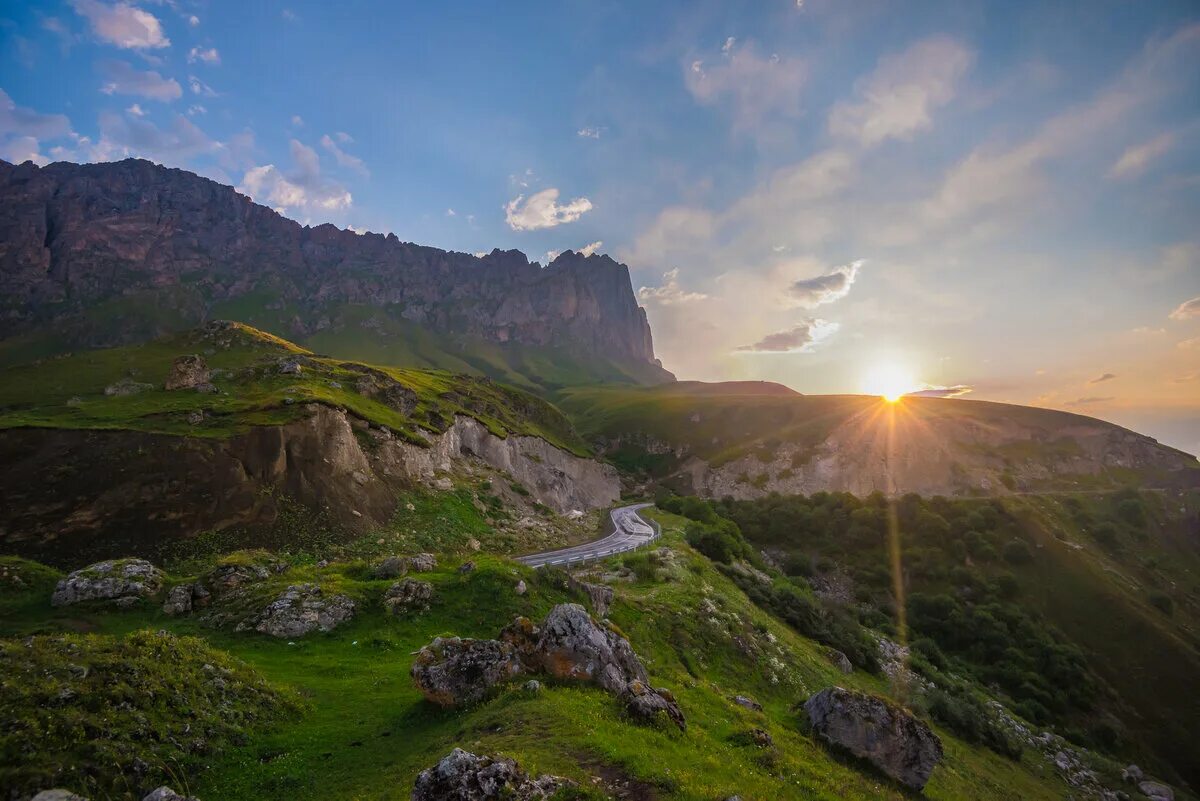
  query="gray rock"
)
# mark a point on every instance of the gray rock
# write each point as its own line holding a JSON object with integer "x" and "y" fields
{"x": 58, "y": 794}
{"x": 648, "y": 704}
{"x": 1132, "y": 773}
{"x": 226, "y": 578}
{"x": 533, "y": 686}
{"x": 840, "y": 661}
{"x": 188, "y": 372}
{"x": 520, "y": 589}
{"x": 463, "y": 776}
{"x": 126, "y": 386}
{"x": 1157, "y": 791}
{"x": 453, "y": 672}
{"x": 599, "y": 595}
{"x": 889, "y": 737}
{"x": 290, "y": 367}
{"x": 114, "y": 579}
{"x": 301, "y": 609}
{"x": 748, "y": 703}
{"x": 572, "y": 645}
{"x": 165, "y": 793}
{"x": 179, "y": 600}
{"x": 422, "y": 562}
{"x": 406, "y": 596}
{"x": 466, "y": 567}
{"x": 390, "y": 568}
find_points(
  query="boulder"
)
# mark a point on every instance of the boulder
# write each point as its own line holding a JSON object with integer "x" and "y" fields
{"x": 840, "y": 660}
{"x": 165, "y": 793}
{"x": 223, "y": 579}
{"x": 748, "y": 703}
{"x": 520, "y": 589}
{"x": 188, "y": 372}
{"x": 598, "y": 595}
{"x": 1132, "y": 773}
{"x": 179, "y": 600}
{"x": 887, "y": 736}
{"x": 452, "y": 671}
{"x": 409, "y": 595}
{"x": 126, "y": 386}
{"x": 422, "y": 562}
{"x": 390, "y": 568}
{"x": 648, "y": 704}
{"x": 301, "y": 609}
{"x": 1157, "y": 791}
{"x": 115, "y": 580}
{"x": 58, "y": 794}
{"x": 571, "y": 645}
{"x": 466, "y": 567}
{"x": 463, "y": 776}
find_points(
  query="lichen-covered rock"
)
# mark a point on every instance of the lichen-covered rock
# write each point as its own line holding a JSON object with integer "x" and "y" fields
{"x": 223, "y": 579}
{"x": 647, "y": 704}
{"x": 1156, "y": 791}
{"x": 422, "y": 562}
{"x": 188, "y": 372}
{"x": 453, "y": 671}
{"x": 748, "y": 703}
{"x": 58, "y": 794}
{"x": 165, "y": 793}
{"x": 463, "y": 776}
{"x": 179, "y": 600}
{"x": 840, "y": 660}
{"x": 390, "y": 568}
{"x": 114, "y": 580}
{"x": 406, "y": 596}
{"x": 599, "y": 595}
{"x": 887, "y": 736}
{"x": 301, "y": 609}
{"x": 571, "y": 645}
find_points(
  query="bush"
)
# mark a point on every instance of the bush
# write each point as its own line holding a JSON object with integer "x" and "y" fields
{"x": 721, "y": 542}
{"x": 1162, "y": 602}
{"x": 964, "y": 714}
{"x": 1017, "y": 553}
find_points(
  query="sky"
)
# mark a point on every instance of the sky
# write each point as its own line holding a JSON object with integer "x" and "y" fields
{"x": 998, "y": 199}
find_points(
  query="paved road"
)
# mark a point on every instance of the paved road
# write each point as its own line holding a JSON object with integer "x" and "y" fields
{"x": 630, "y": 531}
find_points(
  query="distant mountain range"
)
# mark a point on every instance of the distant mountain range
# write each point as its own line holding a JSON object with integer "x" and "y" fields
{"x": 98, "y": 255}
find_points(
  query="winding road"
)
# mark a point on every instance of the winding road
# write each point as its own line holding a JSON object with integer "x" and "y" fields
{"x": 630, "y": 530}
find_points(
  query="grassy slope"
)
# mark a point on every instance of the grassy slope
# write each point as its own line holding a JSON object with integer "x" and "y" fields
{"x": 68, "y": 392}
{"x": 366, "y": 731}
{"x": 721, "y": 423}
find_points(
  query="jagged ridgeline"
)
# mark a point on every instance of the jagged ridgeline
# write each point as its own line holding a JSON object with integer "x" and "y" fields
{"x": 99, "y": 255}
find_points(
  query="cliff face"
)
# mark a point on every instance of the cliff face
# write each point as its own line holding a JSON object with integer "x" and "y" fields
{"x": 73, "y": 237}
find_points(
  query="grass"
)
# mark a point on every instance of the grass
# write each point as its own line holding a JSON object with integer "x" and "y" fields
{"x": 69, "y": 392}
{"x": 365, "y": 732}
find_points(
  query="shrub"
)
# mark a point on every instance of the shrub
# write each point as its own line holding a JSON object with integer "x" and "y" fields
{"x": 1017, "y": 553}
{"x": 1162, "y": 602}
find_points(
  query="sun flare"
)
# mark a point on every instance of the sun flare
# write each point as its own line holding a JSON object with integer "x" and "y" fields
{"x": 889, "y": 381}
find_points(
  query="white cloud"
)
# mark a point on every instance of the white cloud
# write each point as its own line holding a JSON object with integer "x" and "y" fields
{"x": 589, "y": 132}
{"x": 123, "y": 136}
{"x": 21, "y": 130}
{"x": 343, "y": 158}
{"x": 207, "y": 56}
{"x": 754, "y": 86}
{"x": 193, "y": 20}
{"x": 804, "y": 337}
{"x": 20, "y": 149}
{"x": 122, "y": 79}
{"x": 898, "y": 98}
{"x": 935, "y": 391}
{"x": 135, "y": 110}
{"x": 669, "y": 293}
{"x": 590, "y": 248}
{"x": 196, "y": 109}
{"x": 1188, "y": 310}
{"x": 451, "y": 213}
{"x": 200, "y": 88}
{"x": 551, "y": 255}
{"x": 1135, "y": 159}
{"x": 542, "y": 210}
{"x": 123, "y": 25}
{"x": 297, "y": 121}
{"x": 344, "y": 138}
{"x": 825, "y": 288}
{"x": 302, "y": 190}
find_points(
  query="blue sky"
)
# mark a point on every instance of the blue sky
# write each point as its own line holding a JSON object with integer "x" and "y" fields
{"x": 1003, "y": 196}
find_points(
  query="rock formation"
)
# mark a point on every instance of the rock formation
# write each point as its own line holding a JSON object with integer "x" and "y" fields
{"x": 75, "y": 236}
{"x": 463, "y": 776}
{"x": 122, "y": 581}
{"x": 887, "y": 736}
{"x": 301, "y": 609}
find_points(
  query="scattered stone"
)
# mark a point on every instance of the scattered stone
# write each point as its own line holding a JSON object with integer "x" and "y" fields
{"x": 463, "y": 776}
{"x": 187, "y": 372}
{"x": 466, "y": 567}
{"x": 748, "y": 703}
{"x": 195, "y": 418}
{"x": 126, "y": 386}
{"x": 422, "y": 562}
{"x": 840, "y": 661}
{"x": 323, "y": 563}
{"x": 390, "y": 568}
{"x": 301, "y": 609}
{"x": 407, "y": 596}
{"x": 58, "y": 794}
{"x": 111, "y": 580}
{"x": 474, "y": 544}
{"x": 452, "y": 671}
{"x": 889, "y": 737}
{"x": 167, "y": 794}
{"x": 599, "y": 595}
{"x": 179, "y": 600}
{"x": 762, "y": 738}
{"x": 443, "y": 484}
{"x": 223, "y": 579}
{"x": 647, "y": 704}
{"x": 520, "y": 589}
{"x": 1157, "y": 791}
{"x": 533, "y": 686}
{"x": 1132, "y": 774}
{"x": 290, "y": 367}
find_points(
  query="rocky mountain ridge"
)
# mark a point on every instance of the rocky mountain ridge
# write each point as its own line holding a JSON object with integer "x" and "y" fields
{"x": 165, "y": 246}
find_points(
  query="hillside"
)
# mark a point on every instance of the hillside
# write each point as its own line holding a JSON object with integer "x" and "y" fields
{"x": 108, "y": 254}
{"x": 241, "y": 433}
{"x": 720, "y": 441}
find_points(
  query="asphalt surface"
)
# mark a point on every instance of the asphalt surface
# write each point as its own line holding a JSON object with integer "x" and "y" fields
{"x": 629, "y": 531}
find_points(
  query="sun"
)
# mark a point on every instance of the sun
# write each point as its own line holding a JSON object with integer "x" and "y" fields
{"x": 889, "y": 381}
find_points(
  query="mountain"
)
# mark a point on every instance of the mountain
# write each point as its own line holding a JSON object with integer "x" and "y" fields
{"x": 740, "y": 442}
{"x": 98, "y": 255}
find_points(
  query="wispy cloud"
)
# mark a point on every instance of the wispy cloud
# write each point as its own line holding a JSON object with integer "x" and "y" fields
{"x": 834, "y": 285}
{"x": 302, "y": 189}
{"x": 669, "y": 292}
{"x": 1101, "y": 379}
{"x": 1187, "y": 310}
{"x": 343, "y": 158}
{"x": 753, "y": 86}
{"x": 956, "y": 391}
{"x": 1135, "y": 159}
{"x": 1089, "y": 401}
{"x": 123, "y": 25}
{"x": 122, "y": 79}
{"x": 803, "y": 337}
{"x": 206, "y": 55}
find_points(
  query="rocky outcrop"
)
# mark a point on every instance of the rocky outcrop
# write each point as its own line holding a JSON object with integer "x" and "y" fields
{"x": 463, "y": 776}
{"x": 122, "y": 581}
{"x": 302, "y": 609}
{"x": 167, "y": 794}
{"x": 408, "y": 596}
{"x": 189, "y": 372}
{"x": 182, "y": 486}
{"x": 569, "y": 646}
{"x": 871, "y": 728}
{"x": 1156, "y": 791}
{"x": 599, "y": 595}
{"x": 73, "y": 236}
{"x": 395, "y": 566}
